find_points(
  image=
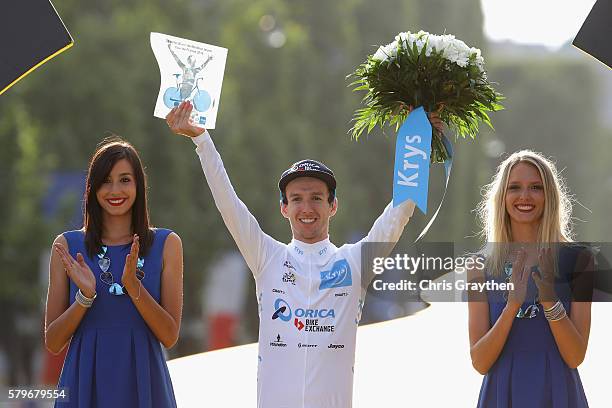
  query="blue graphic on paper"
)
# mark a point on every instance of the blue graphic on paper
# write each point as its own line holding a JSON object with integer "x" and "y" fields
{"x": 412, "y": 151}
{"x": 337, "y": 277}
{"x": 172, "y": 97}
{"x": 201, "y": 99}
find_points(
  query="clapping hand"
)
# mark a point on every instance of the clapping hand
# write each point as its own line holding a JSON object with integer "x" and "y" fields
{"x": 129, "y": 279}
{"x": 519, "y": 279}
{"x": 545, "y": 280}
{"x": 78, "y": 271}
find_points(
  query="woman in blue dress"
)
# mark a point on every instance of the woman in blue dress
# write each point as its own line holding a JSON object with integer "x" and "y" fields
{"x": 529, "y": 341}
{"x": 115, "y": 292}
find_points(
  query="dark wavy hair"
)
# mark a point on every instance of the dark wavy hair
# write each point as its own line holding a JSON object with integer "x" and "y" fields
{"x": 109, "y": 152}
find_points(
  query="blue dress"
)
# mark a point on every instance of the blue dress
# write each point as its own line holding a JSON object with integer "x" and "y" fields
{"x": 530, "y": 372}
{"x": 114, "y": 360}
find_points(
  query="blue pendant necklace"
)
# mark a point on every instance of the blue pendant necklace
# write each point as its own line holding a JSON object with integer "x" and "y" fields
{"x": 107, "y": 277}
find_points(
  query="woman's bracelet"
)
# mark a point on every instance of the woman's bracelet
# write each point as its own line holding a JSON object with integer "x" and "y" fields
{"x": 84, "y": 300}
{"x": 139, "y": 286}
{"x": 137, "y": 297}
{"x": 555, "y": 313}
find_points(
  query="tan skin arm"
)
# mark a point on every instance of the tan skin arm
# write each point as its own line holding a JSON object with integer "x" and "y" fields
{"x": 61, "y": 320}
{"x": 572, "y": 333}
{"x": 486, "y": 342}
{"x": 163, "y": 319}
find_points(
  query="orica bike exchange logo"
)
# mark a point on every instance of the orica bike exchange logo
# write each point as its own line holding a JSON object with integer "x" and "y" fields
{"x": 307, "y": 319}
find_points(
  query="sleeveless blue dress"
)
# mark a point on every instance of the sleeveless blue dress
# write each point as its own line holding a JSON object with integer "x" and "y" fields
{"x": 530, "y": 372}
{"x": 114, "y": 360}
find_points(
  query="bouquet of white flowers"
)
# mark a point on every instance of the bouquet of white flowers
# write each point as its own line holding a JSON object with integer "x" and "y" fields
{"x": 438, "y": 72}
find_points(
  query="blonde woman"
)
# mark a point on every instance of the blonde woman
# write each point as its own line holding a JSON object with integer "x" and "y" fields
{"x": 529, "y": 341}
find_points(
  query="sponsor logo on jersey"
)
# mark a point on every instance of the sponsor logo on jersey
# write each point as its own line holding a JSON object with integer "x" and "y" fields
{"x": 289, "y": 277}
{"x": 338, "y": 276}
{"x": 304, "y": 319}
{"x": 278, "y": 342}
{"x": 282, "y": 310}
{"x": 298, "y": 323}
{"x": 341, "y": 294}
{"x": 274, "y": 290}
{"x": 335, "y": 346}
{"x": 288, "y": 265}
{"x": 313, "y": 326}
{"x": 302, "y": 345}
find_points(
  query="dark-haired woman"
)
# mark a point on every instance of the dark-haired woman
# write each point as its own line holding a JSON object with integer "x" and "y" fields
{"x": 115, "y": 291}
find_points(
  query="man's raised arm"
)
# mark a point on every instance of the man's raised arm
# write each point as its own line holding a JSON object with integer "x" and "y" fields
{"x": 252, "y": 242}
{"x": 383, "y": 236}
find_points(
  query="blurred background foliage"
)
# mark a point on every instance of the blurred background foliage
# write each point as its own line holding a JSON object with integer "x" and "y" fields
{"x": 285, "y": 97}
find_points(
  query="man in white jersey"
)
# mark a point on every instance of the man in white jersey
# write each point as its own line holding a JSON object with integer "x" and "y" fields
{"x": 310, "y": 292}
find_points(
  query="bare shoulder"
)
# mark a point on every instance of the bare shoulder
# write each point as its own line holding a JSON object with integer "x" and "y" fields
{"x": 173, "y": 241}
{"x": 173, "y": 247}
{"x": 61, "y": 239}
{"x": 56, "y": 267}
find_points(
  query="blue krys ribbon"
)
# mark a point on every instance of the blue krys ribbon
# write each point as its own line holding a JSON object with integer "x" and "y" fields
{"x": 412, "y": 158}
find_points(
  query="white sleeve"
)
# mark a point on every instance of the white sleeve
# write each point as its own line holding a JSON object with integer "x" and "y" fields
{"x": 390, "y": 225}
{"x": 253, "y": 243}
{"x": 387, "y": 229}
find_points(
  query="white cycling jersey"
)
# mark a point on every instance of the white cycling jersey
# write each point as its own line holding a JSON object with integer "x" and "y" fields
{"x": 310, "y": 299}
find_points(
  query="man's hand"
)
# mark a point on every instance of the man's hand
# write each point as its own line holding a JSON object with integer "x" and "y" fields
{"x": 179, "y": 121}
{"x": 436, "y": 122}
{"x": 434, "y": 117}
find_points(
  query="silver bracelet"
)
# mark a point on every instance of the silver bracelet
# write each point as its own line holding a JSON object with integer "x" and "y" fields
{"x": 555, "y": 313}
{"x": 558, "y": 317}
{"x": 552, "y": 308}
{"x": 83, "y": 300}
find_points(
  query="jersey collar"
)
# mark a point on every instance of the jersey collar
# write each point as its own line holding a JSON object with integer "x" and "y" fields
{"x": 319, "y": 250}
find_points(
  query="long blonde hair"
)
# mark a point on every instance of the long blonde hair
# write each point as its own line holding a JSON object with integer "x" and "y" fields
{"x": 555, "y": 225}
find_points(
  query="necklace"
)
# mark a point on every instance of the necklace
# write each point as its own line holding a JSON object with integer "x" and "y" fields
{"x": 107, "y": 277}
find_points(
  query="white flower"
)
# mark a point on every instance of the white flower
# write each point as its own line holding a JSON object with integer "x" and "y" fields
{"x": 386, "y": 52}
{"x": 462, "y": 62}
{"x": 453, "y": 49}
{"x": 435, "y": 41}
{"x": 420, "y": 43}
{"x": 408, "y": 36}
{"x": 479, "y": 60}
{"x": 380, "y": 55}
